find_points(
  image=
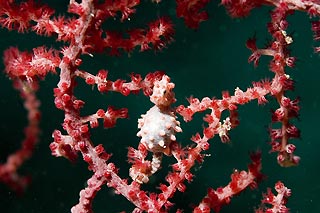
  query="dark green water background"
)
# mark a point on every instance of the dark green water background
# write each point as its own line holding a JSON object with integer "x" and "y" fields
{"x": 201, "y": 63}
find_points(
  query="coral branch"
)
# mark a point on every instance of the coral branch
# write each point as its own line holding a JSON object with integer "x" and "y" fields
{"x": 278, "y": 201}
{"x": 215, "y": 199}
{"x": 9, "y": 170}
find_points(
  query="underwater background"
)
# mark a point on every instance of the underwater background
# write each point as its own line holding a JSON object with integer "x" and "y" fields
{"x": 201, "y": 63}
